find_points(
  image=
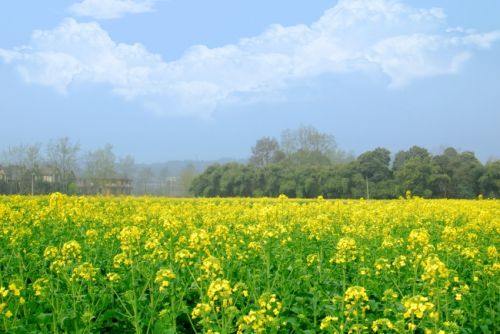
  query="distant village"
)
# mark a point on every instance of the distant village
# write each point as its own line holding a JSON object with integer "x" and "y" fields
{"x": 17, "y": 180}
{"x": 60, "y": 167}
{"x": 45, "y": 180}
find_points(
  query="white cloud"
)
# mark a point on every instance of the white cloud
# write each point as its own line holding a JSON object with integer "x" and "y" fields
{"x": 354, "y": 36}
{"x": 111, "y": 9}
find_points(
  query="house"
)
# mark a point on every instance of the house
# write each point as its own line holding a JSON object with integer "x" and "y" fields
{"x": 3, "y": 175}
{"x": 47, "y": 174}
{"x": 104, "y": 186}
{"x": 13, "y": 173}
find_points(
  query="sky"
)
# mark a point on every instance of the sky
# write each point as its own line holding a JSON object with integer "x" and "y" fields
{"x": 191, "y": 79}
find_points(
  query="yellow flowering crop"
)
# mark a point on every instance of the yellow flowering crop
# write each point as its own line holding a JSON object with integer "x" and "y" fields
{"x": 153, "y": 265}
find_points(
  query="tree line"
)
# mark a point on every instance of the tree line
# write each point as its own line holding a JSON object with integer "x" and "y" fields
{"x": 307, "y": 163}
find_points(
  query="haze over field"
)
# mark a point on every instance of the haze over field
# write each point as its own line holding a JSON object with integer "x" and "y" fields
{"x": 166, "y": 80}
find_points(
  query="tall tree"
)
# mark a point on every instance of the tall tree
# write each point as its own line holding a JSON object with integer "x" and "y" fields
{"x": 306, "y": 145}
{"x": 126, "y": 166}
{"x": 14, "y": 155}
{"x": 458, "y": 174}
{"x": 186, "y": 177}
{"x": 266, "y": 151}
{"x": 62, "y": 155}
{"x": 446, "y": 164}
{"x": 28, "y": 157}
{"x": 33, "y": 157}
{"x": 374, "y": 166}
{"x": 466, "y": 176}
{"x": 25, "y": 162}
{"x": 307, "y": 138}
{"x": 100, "y": 164}
{"x": 490, "y": 180}
{"x": 415, "y": 152}
{"x": 413, "y": 170}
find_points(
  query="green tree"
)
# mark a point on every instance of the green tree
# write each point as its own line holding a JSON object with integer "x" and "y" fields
{"x": 413, "y": 170}
{"x": 307, "y": 158}
{"x": 374, "y": 166}
{"x": 465, "y": 179}
{"x": 490, "y": 180}
{"x": 265, "y": 152}
{"x": 458, "y": 174}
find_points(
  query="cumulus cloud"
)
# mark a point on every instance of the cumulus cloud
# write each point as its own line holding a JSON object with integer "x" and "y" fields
{"x": 354, "y": 36}
{"x": 111, "y": 9}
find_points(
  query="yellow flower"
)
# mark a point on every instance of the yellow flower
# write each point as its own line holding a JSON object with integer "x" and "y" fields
{"x": 417, "y": 306}
{"x": 130, "y": 237}
{"x": 220, "y": 290}
{"x": 211, "y": 267}
{"x": 84, "y": 272}
{"x": 346, "y": 251}
{"x": 355, "y": 294}
{"x": 434, "y": 269}
{"x": 389, "y": 295}
{"x": 200, "y": 310}
{"x": 4, "y": 292}
{"x": 400, "y": 261}
{"x": 39, "y": 286}
{"x": 163, "y": 278}
{"x": 382, "y": 325}
{"x": 327, "y": 321}
{"x": 492, "y": 252}
{"x": 418, "y": 238}
{"x": 412, "y": 326}
{"x": 113, "y": 277}
{"x": 50, "y": 252}
{"x": 311, "y": 259}
{"x": 71, "y": 250}
{"x": 15, "y": 290}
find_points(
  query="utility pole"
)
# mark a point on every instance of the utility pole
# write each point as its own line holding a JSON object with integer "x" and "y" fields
{"x": 32, "y": 183}
{"x": 367, "y": 188}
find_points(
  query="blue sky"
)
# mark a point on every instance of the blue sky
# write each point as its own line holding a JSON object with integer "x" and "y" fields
{"x": 199, "y": 79}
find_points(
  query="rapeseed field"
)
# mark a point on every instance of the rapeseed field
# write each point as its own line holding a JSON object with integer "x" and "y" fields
{"x": 151, "y": 265}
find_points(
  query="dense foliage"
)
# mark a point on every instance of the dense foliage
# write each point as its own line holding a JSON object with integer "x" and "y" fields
{"x": 107, "y": 265}
{"x": 310, "y": 174}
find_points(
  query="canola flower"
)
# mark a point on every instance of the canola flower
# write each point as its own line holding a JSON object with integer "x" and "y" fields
{"x": 219, "y": 292}
{"x": 346, "y": 251}
{"x": 270, "y": 265}
{"x": 417, "y": 306}
{"x": 163, "y": 278}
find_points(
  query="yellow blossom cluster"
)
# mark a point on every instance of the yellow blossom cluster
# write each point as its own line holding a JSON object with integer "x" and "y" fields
{"x": 219, "y": 292}
{"x": 417, "y": 306}
{"x": 163, "y": 278}
{"x": 346, "y": 251}
{"x": 434, "y": 269}
{"x": 258, "y": 321}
